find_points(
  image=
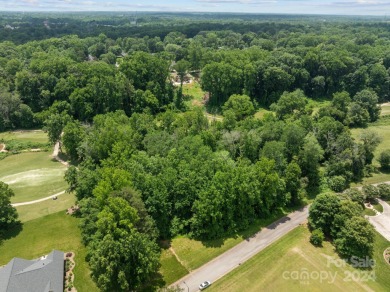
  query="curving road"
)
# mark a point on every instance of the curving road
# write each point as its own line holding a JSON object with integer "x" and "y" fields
{"x": 234, "y": 257}
{"x": 381, "y": 222}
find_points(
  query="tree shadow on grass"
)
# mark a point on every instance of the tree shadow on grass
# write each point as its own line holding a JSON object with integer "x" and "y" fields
{"x": 12, "y": 232}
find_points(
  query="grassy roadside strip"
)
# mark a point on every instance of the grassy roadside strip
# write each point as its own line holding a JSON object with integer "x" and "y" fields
{"x": 272, "y": 268}
{"x": 195, "y": 253}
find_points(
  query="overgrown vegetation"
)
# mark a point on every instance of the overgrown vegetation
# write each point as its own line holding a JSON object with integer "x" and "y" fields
{"x": 150, "y": 167}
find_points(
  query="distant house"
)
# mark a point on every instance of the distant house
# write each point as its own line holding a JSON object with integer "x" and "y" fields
{"x": 45, "y": 274}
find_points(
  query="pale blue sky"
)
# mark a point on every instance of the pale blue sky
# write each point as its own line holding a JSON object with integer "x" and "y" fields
{"x": 346, "y": 7}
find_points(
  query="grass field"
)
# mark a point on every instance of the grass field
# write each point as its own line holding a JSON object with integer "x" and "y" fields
{"x": 283, "y": 265}
{"x": 40, "y": 236}
{"x": 368, "y": 212}
{"x": 385, "y": 109}
{"x": 193, "y": 89}
{"x": 34, "y": 211}
{"x": 170, "y": 269}
{"x": 32, "y": 175}
{"x": 25, "y": 136}
{"x": 195, "y": 253}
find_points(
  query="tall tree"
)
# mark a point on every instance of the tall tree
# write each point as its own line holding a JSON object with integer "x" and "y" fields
{"x": 8, "y": 214}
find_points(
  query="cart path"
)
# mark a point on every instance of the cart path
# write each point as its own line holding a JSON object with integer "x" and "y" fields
{"x": 55, "y": 156}
{"x": 39, "y": 200}
{"x": 231, "y": 259}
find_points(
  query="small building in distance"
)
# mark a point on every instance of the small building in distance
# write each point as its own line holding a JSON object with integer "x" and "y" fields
{"x": 45, "y": 274}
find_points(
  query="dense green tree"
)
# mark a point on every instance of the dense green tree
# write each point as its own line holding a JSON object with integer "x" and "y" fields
{"x": 73, "y": 135}
{"x": 356, "y": 239}
{"x": 276, "y": 81}
{"x": 241, "y": 105}
{"x": 384, "y": 191}
{"x": 290, "y": 103}
{"x": 371, "y": 140}
{"x": 348, "y": 209}
{"x": 368, "y": 100}
{"x": 317, "y": 237}
{"x": 356, "y": 195}
{"x": 379, "y": 81}
{"x": 292, "y": 178}
{"x": 54, "y": 126}
{"x": 221, "y": 80}
{"x": 357, "y": 115}
{"x": 384, "y": 159}
{"x": 8, "y": 213}
{"x": 276, "y": 151}
{"x": 309, "y": 158}
{"x": 371, "y": 192}
{"x": 323, "y": 211}
{"x": 120, "y": 257}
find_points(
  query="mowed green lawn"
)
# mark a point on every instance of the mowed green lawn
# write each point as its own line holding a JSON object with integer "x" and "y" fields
{"x": 25, "y": 136}
{"x": 32, "y": 175}
{"x": 37, "y": 210}
{"x": 284, "y": 266}
{"x": 171, "y": 270}
{"x": 385, "y": 109}
{"x": 195, "y": 253}
{"x": 40, "y": 236}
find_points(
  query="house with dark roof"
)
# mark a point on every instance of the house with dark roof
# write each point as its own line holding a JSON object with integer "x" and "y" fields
{"x": 45, "y": 274}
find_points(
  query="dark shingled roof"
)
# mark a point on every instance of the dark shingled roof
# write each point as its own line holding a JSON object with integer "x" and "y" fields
{"x": 45, "y": 274}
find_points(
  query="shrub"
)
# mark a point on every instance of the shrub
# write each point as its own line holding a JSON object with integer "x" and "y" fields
{"x": 384, "y": 191}
{"x": 317, "y": 237}
{"x": 337, "y": 183}
{"x": 384, "y": 159}
{"x": 356, "y": 196}
{"x": 371, "y": 192}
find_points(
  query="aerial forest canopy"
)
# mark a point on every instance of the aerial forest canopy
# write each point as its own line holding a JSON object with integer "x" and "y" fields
{"x": 151, "y": 167}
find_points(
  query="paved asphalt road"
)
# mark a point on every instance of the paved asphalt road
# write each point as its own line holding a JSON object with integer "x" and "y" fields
{"x": 382, "y": 222}
{"x": 232, "y": 258}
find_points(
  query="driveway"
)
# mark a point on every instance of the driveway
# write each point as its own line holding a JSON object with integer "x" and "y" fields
{"x": 234, "y": 257}
{"x": 381, "y": 222}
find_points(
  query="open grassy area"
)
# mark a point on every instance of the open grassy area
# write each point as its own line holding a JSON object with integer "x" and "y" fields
{"x": 34, "y": 211}
{"x": 283, "y": 265}
{"x": 25, "y": 136}
{"x": 368, "y": 212}
{"x": 385, "y": 109}
{"x": 40, "y": 236}
{"x": 170, "y": 269}
{"x": 261, "y": 112}
{"x": 195, "y": 253}
{"x": 378, "y": 207}
{"x": 32, "y": 175}
{"x": 193, "y": 89}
